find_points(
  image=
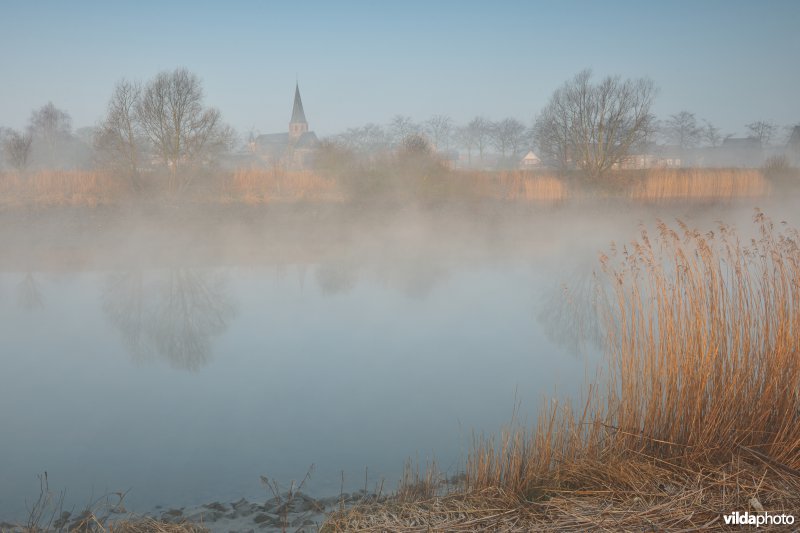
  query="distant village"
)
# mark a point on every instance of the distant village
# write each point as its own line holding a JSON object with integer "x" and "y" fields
{"x": 130, "y": 141}
{"x": 296, "y": 148}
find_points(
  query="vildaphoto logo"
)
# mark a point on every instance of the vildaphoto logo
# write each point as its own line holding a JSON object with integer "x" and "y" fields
{"x": 757, "y": 519}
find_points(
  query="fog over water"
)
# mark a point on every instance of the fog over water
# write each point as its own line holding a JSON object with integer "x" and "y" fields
{"x": 181, "y": 353}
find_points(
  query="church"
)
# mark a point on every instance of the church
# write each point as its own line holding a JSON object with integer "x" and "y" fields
{"x": 293, "y": 149}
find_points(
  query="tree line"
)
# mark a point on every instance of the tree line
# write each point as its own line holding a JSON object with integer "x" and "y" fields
{"x": 164, "y": 123}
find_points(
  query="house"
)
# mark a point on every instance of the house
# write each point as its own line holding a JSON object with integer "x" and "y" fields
{"x": 530, "y": 160}
{"x": 652, "y": 155}
{"x": 292, "y": 149}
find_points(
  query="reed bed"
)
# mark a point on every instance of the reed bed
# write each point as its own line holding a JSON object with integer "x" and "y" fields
{"x": 699, "y": 184}
{"x": 261, "y": 186}
{"x": 527, "y": 186}
{"x": 59, "y": 187}
{"x": 698, "y": 414}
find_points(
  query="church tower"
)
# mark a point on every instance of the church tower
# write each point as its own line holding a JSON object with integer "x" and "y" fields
{"x": 298, "y": 125}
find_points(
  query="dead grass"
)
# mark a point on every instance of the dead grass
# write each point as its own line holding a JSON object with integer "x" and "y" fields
{"x": 527, "y": 186}
{"x": 658, "y": 499}
{"x": 59, "y": 187}
{"x": 260, "y": 186}
{"x": 699, "y": 184}
{"x": 699, "y": 415}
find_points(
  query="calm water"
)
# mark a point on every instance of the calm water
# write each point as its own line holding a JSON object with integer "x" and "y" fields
{"x": 187, "y": 375}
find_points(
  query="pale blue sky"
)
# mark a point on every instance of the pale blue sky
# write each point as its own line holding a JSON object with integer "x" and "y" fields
{"x": 731, "y": 62}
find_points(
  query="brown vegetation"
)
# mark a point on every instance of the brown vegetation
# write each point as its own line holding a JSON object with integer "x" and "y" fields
{"x": 698, "y": 417}
{"x": 700, "y": 184}
{"x": 410, "y": 181}
{"x": 532, "y": 187}
{"x": 260, "y": 186}
{"x": 59, "y": 187}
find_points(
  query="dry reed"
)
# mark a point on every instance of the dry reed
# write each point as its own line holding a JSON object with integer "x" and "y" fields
{"x": 59, "y": 187}
{"x": 260, "y": 186}
{"x": 530, "y": 187}
{"x": 699, "y": 414}
{"x": 699, "y": 184}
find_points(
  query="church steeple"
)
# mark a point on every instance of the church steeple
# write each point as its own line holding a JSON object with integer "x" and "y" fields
{"x": 298, "y": 125}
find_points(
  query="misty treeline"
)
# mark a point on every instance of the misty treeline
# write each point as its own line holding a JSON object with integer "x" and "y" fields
{"x": 161, "y": 124}
{"x": 163, "y": 127}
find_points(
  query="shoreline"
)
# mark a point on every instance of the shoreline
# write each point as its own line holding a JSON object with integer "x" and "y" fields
{"x": 295, "y": 511}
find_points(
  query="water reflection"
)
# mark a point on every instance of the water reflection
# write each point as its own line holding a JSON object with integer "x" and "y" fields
{"x": 415, "y": 278}
{"x": 29, "y": 294}
{"x": 171, "y": 315}
{"x": 571, "y": 314}
{"x": 337, "y": 277}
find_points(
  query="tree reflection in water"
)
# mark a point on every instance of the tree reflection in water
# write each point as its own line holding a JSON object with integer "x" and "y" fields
{"x": 570, "y": 314}
{"x": 337, "y": 277}
{"x": 415, "y": 277}
{"x": 29, "y": 295}
{"x": 172, "y": 315}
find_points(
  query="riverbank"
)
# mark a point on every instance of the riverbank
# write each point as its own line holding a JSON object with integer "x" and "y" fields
{"x": 644, "y": 494}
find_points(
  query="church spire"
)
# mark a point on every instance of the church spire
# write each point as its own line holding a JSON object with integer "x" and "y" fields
{"x": 298, "y": 116}
{"x": 298, "y": 125}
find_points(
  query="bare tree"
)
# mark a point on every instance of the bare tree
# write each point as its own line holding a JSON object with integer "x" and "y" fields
{"x": 479, "y": 130}
{"x": 51, "y": 129}
{"x": 440, "y": 130}
{"x": 682, "y": 130}
{"x": 369, "y": 138}
{"x": 119, "y": 138}
{"x": 551, "y": 132}
{"x": 762, "y": 130}
{"x": 710, "y": 134}
{"x": 400, "y": 127}
{"x": 17, "y": 149}
{"x": 508, "y": 136}
{"x": 602, "y": 121}
{"x": 181, "y": 130}
{"x": 466, "y": 139}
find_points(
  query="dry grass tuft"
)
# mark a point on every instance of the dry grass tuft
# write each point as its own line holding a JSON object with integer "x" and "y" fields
{"x": 700, "y": 184}
{"x": 704, "y": 364}
{"x": 150, "y": 525}
{"x": 261, "y": 186}
{"x": 659, "y": 499}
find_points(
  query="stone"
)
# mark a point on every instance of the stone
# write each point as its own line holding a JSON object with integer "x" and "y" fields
{"x": 241, "y": 504}
{"x": 261, "y": 518}
{"x": 216, "y": 506}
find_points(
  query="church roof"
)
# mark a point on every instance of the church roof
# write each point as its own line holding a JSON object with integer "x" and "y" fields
{"x": 307, "y": 140}
{"x": 272, "y": 142}
{"x": 298, "y": 116}
{"x": 272, "y": 138}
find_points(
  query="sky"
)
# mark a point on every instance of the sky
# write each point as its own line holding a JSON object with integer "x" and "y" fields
{"x": 730, "y": 62}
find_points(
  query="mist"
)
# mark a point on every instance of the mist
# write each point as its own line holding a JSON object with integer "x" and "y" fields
{"x": 285, "y": 280}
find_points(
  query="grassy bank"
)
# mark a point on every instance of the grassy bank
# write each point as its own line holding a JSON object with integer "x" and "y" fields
{"x": 697, "y": 414}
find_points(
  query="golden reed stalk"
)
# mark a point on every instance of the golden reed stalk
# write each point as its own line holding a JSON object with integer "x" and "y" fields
{"x": 703, "y": 366}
